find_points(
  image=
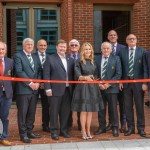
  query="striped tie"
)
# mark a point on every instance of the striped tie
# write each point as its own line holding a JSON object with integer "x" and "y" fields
{"x": 31, "y": 61}
{"x": 113, "y": 49}
{"x": 130, "y": 73}
{"x": 104, "y": 69}
{"x": 43, "y": 59}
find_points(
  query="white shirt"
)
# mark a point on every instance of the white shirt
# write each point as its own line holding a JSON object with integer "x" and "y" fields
{"x": 102, "y": 62}
{"x": 40, "y": 56}
{"x": 133, "y": 52}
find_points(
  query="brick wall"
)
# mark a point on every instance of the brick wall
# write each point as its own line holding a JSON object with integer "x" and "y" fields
{"x": 83, "y": 22}
{"x": 66, "y": 26}
{"x": 141, "y": 25}
{"x": 1, "y": 22}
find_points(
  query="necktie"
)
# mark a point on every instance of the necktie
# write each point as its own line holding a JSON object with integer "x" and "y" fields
{"x": 130, "y": 73}
{"x": 1, "y": 68}
{"x": 74, "y": 57}
{"x": 104, "y": 69}
{"x": 31, "y": 61}
{"x": 43, "y": 59}
{"x": 113, "y": 49}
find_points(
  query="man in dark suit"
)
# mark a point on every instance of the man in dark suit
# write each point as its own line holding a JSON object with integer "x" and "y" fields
{"x": 6, "y": 92}
{"x": 59, "y": 67}
{"x": 116, "y": 48}
{"x": 26, "y": 66}
{"x": 41, "y": 57}
{"x": 74, "y": 46}
{"x": 133, "y": 67}
{"x": 109, "y": 68}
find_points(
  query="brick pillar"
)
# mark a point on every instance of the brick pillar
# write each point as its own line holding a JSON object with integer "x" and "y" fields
{"x": 1, "y": 22}
{"x": 141, "y": 20}
{"x": 66, "y": 16}
{"x": 83, "y": 21}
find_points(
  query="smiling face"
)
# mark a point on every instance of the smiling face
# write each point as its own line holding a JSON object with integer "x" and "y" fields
{"x": 112, "y": 37}
{"x": 106, "y": 49}
{"x": 74, "y": 47}
{"x": 61, "y": 49}
{"x": 87, "y": 51}
{"x": 28, "y": 47}
{"x": 42, "y": 46}
{"x": 2, "y": 50}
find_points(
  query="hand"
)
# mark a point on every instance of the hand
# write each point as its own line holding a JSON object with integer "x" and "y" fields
{"x": 106, "y": 86}
{"x": 41, "y": 85}
{"x": 101, "y": 86}
{"x": 120, "y": 86}
{"x": 49, "y": 93}
{"x": 32, "y": 86}
{"x": 89, "y": 78}
{"x": 144, "y": 87}
{"x": 37, "y": 86}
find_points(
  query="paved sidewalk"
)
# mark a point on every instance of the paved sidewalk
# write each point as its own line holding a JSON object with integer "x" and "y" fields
{"x": 138, "y": 144}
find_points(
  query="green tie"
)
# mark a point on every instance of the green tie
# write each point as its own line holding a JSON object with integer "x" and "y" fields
{"x": 130, "y": 71}
{"x": 104, "y": 69}
{"x": 31, "y": 61}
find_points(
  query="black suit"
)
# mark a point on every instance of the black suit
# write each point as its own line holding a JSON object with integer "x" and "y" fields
{"x": 6, "y": 94}
{"x": 44, "y": 99}
{"x": 133, "y": 91}
{"x": 60, "y": 100}
{"x": 26, "y": 98}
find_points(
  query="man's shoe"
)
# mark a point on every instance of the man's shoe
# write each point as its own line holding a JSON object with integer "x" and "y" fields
{"x": 141, "y": 133}
{"x": 33, "y": 135}
{"x": 54, "y": 136}
{"x": 46, "y": 129}
{"x": 65, "y": 135}
{"x": 5, "y": 142}
{"x": 26, "y": 139}
{"x": 129, "y": 132}
{"x": 147, "y": 103}
{"x": 123, "y": 129}
{"x": 109, "y": 127}
{"x": 100, "y": 131}
{"x": 115, "y": 133}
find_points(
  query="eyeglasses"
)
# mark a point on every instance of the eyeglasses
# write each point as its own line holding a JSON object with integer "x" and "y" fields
{"x": 73, "y": 45}
{"x": 132, "y": 39}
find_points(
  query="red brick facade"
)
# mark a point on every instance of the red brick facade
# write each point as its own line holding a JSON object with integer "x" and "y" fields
{"x": 76, "y": 19}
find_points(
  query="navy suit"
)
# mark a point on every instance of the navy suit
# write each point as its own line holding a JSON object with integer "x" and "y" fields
{"x": 133, "y": 91}
{"x": 148, "y": 66}
{"x": 26, "y": 98}
{"x": 6, "y": 94}
{"x": 60, "y": 100}
{"x": 113, "y": 72}
{"x": 44, "y": 99}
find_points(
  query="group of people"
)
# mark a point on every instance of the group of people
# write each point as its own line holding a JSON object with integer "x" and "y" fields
{"x": 59, "y": 100}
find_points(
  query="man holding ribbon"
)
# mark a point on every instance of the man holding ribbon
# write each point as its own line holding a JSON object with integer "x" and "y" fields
{"x": 26, "y": 66}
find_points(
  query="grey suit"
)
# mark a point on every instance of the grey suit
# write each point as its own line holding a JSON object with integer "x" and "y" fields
{"x": 113, "y": 73}
{"x": 26, "y": 98}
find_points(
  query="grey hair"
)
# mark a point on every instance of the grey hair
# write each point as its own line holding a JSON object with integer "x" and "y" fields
{"x": 27, "y": 40}
{"x": 74, "y": 41}
{"x": 106, "y": 43}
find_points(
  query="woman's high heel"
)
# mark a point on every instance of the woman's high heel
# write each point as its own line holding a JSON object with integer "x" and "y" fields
{"x": 89, "y": 137}
{"x": 84, "y": 136}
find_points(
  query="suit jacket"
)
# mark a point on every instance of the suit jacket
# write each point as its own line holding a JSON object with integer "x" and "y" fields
{"x": 139, "y": 68}
{"x": 119, "y": 48}
{"x": 148, "y": 66}
{"x": 54, "y": 70}
{"x": 23, "y": 69}
{"x": 113, "y": 71}
{"x": 7, "y": 73}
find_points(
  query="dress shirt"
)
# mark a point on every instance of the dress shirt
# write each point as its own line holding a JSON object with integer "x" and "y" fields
{"x": 134, "y": 48}
{"x": 103, "y": 61}
{"x": 40, "y": 56}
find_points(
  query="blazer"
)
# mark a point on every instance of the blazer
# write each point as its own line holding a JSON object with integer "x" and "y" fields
{"x": 119, "y": 48}
{"x": 54, "y": 70}
{"x": 113, "y": 71}
{"x": 148, "y": 65}
{"x": 8, "y": 72}
{"x": 139, "y": 68}
{"x": 23, "y": 69}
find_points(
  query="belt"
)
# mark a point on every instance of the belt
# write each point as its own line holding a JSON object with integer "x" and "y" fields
{"x": 130, "y": 77}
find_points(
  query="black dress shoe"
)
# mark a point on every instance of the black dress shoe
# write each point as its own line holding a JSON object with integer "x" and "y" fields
{"x": 123, "y": 129}
{"x": 54, "y": 136}
{"x": 109, "y": 127}
{"x": 33, "y": 135}
{"x": 46, "y": 129}
{"x": 147, "y": 103}
{"x": 25, "y": 139}
{"x": 141, "y": 133}
{"x": 100, "y": 131}
{"x": 129, "y": 132}
{"x": 115, "y": 133}
{"x": 65, "y": 135}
